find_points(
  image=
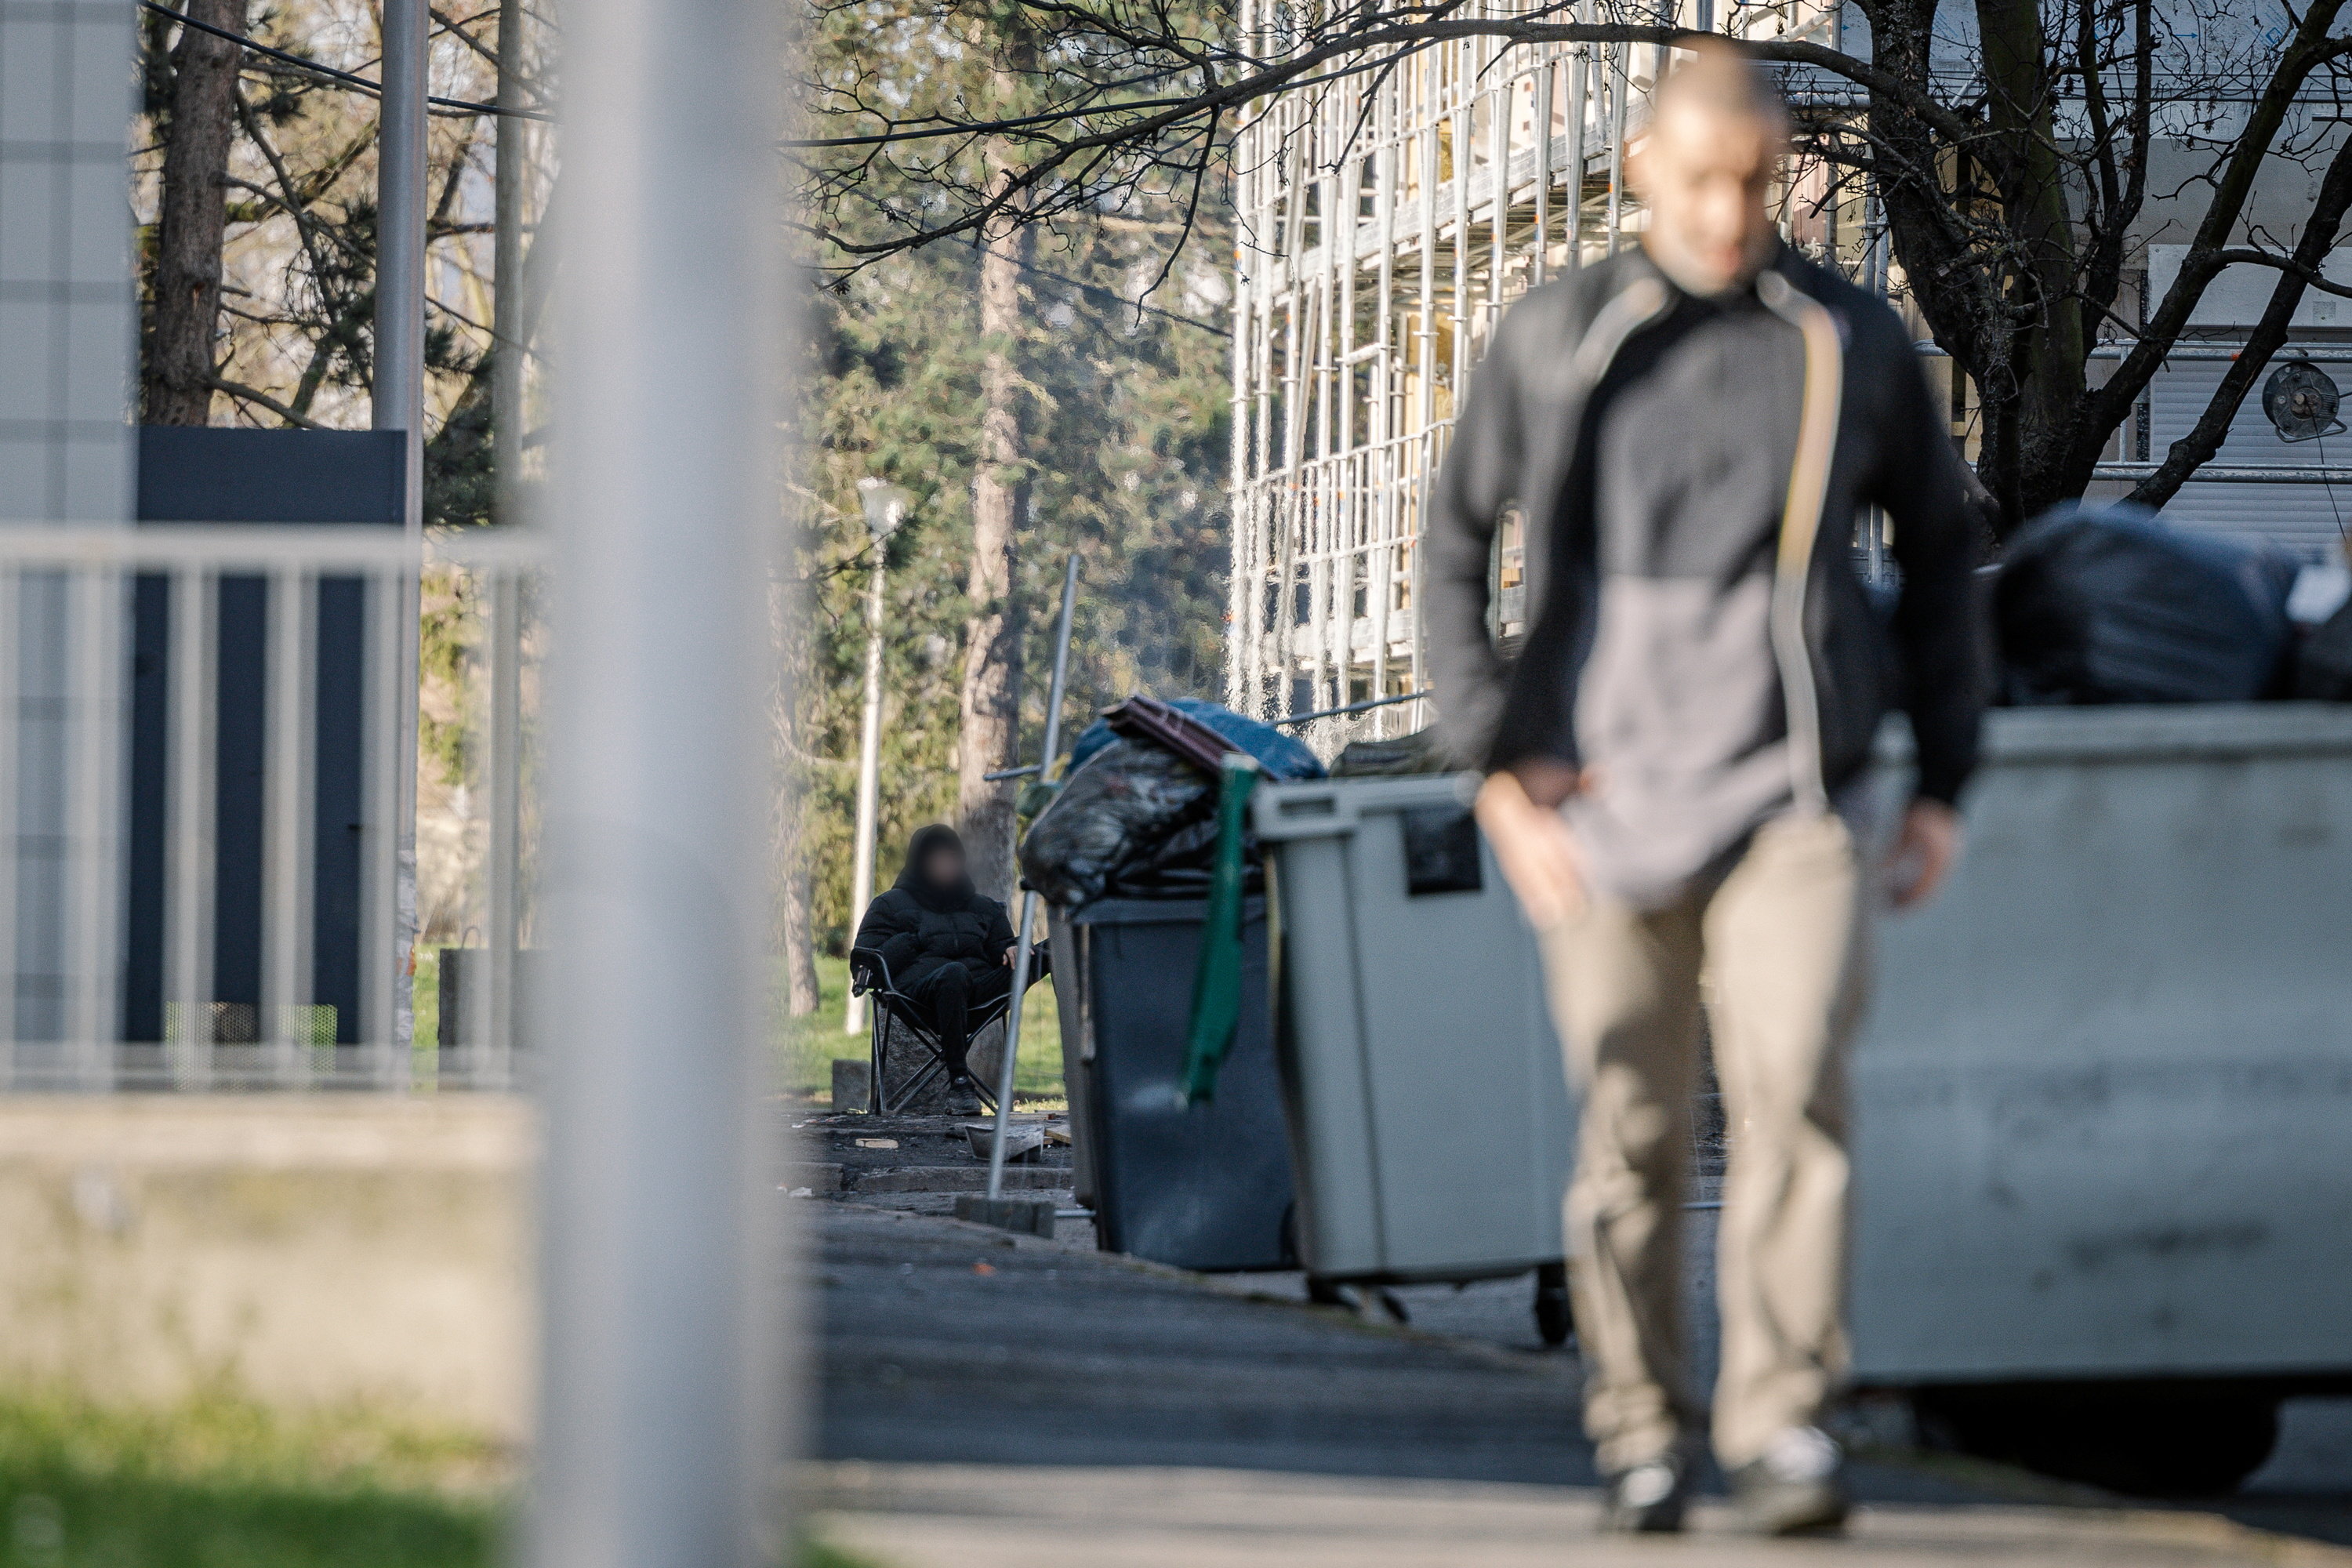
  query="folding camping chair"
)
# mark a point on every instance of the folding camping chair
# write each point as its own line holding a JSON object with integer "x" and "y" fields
{"x": 869, "y": 976}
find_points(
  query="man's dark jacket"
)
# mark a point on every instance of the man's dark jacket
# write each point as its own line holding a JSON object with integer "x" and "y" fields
{"x": 919, "y": 928}
{"x": 1523, "y": 440}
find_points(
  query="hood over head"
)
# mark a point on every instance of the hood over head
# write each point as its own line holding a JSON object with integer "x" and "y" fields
{"x": 926, "y": 892}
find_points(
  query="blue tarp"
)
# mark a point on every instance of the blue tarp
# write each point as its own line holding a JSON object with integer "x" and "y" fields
{"x": 1281, "y": 756}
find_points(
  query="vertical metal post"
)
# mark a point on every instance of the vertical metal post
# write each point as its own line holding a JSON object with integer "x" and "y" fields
{"x": 492, "y": 1063}
{"x": 93, "y": 736}
{"x": 658, "y": 1445}
{"x": 12, "y": 708}
{"x": 1580, "y": 98}
{"x": 1620, "y": 87}
{"x": 869, "y": 772}
{"x": 496, "y": 1070}
{"x": 390, "y": 753}
{"x": 1541, "y": 98}
{"x": 398, "y": 404}
{"x": 190, "y": 859}
{"x": 885, "y": 507}
{"x": 288, "y": 828}
{"x": 1029, "y": 898}
{"x": 508, "y": 363}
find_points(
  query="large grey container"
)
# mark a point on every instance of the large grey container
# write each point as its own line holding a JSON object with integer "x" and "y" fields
{"x": 1198, "y": 1186}
{"x": 2102, "y": 1108}
{"x": 1429, "y": 1108}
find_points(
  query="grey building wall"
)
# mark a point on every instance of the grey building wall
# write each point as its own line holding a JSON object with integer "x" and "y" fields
{"x": 66, "y": 327}
{"x": 67, "y": 334}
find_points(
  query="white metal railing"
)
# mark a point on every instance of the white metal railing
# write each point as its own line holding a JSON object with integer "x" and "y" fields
{"x": 150, "y": 939}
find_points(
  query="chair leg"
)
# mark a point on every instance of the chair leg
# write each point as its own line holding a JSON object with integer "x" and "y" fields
{"x": 923, "y": 1081}
{"x": 875, "y": 1098}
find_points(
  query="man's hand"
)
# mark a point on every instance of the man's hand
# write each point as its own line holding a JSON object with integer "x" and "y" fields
{"x": 1008, "y": 958}
{"x": 1924, "y": 852}
{"x": 1532, "y": 842}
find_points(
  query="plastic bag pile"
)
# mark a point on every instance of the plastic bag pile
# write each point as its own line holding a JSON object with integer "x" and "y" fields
{"x": 1135, "y": 820}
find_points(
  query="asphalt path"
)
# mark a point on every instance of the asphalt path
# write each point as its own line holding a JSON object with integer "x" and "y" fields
{"x": 950, "y": 1351}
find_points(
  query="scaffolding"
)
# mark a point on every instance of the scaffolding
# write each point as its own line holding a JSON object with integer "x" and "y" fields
{"x": 1385, "y": 221}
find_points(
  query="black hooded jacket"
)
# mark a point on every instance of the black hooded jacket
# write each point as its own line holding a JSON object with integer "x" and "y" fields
{"x": 919, "y": 928}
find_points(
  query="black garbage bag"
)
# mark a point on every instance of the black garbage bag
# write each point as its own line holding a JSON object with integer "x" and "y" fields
{"x": 1127, "y": 800}
{"x": 2110, "y": 606}
{"x": 1420, "y": 753}
{"x": 2323, "y": 666}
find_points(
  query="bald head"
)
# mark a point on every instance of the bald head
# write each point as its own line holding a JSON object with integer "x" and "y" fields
{"x": 1725, "y": 82}
{"x": 1705, "y": 167}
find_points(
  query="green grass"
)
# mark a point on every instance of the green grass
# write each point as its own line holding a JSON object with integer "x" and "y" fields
{"x": 222, "y": 1484}
{"x": 807, "y": 1047}
{"x": 425, "y": 1000}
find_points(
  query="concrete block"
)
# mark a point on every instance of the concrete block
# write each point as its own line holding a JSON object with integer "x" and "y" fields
{"x": 316, "y": 1253}
{"x": 1030, "y": 1216}
{"x": 818, "y": 1177}
{"x": 853, "y": 1083}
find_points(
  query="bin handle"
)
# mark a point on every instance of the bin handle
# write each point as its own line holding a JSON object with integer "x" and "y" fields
{"x": 1295, "y": 810}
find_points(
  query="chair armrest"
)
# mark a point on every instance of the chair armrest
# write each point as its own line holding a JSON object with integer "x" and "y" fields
{"x": 868, "y": 972}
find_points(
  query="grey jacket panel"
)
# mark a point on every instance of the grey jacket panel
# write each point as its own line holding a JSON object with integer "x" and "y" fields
{"x": 1526, "y": 436}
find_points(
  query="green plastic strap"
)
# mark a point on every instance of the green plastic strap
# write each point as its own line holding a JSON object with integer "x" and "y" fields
{"x": 1217, "y": 979}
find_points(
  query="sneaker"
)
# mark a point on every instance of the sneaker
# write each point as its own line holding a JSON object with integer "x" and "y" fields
{"x": 1797, "y": 1486}
{"x": 963, "y": 1099}
{"x": 1648, "y": 1499}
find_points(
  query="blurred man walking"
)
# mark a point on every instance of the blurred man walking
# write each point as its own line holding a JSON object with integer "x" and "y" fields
{"x": 1688, "y": 431}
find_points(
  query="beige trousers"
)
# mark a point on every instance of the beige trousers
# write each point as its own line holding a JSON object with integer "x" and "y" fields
{"x": 1778, "y": 949}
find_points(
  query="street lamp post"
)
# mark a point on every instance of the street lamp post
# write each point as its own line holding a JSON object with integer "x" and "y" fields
{"x": 885, "y": 508}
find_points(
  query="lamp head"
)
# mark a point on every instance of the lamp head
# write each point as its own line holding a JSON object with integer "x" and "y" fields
{"x": 885, "y": 504}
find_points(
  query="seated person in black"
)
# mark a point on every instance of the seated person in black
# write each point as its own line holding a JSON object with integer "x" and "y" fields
{"x": 949, "y": 946}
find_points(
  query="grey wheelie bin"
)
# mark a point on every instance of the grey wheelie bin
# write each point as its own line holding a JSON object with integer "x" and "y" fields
{"x": 1200, "y": 1187}
{"x": 1431, "y": 1127}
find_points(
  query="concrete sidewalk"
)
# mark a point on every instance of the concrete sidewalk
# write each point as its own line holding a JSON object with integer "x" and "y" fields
{"x": 977, "y": 1516}
{"x": 990, "y": 1399}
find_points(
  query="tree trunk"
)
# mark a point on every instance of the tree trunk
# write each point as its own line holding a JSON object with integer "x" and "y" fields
{"x": 2034, "y": 387}
{"x": 795, "y": 924}
{"x": 800, "y": 947}
{"x": 991, "y": 660}
{"x": 194, "y": 218}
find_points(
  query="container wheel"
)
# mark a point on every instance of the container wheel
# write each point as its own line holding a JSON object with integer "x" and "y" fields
{"x": 1554, "y": 1319}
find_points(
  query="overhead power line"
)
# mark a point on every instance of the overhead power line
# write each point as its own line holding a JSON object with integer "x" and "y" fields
{"x": 348, "y": 78}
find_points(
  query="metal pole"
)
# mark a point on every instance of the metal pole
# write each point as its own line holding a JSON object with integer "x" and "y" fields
{"x": 1620, "y": 66}
{"x": 662, "y": 1299}
{"x": 869, "y": 771}
{"x": 507, "y": 361}
{"x": 497, "y": 1038}
{"x": 1029, "y": 898}
{"x": 398, "y": 404}
{"x": 1580, "y": 96}
{"x": 885, "y": 505}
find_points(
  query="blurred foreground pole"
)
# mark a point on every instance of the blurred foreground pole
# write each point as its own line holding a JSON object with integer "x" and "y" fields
{"x": 661, "y": 1310}
{"x": 398, "y": 404}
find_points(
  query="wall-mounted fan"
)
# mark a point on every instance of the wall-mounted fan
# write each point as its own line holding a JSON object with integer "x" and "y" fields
{"x": 2301, "y": 400}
